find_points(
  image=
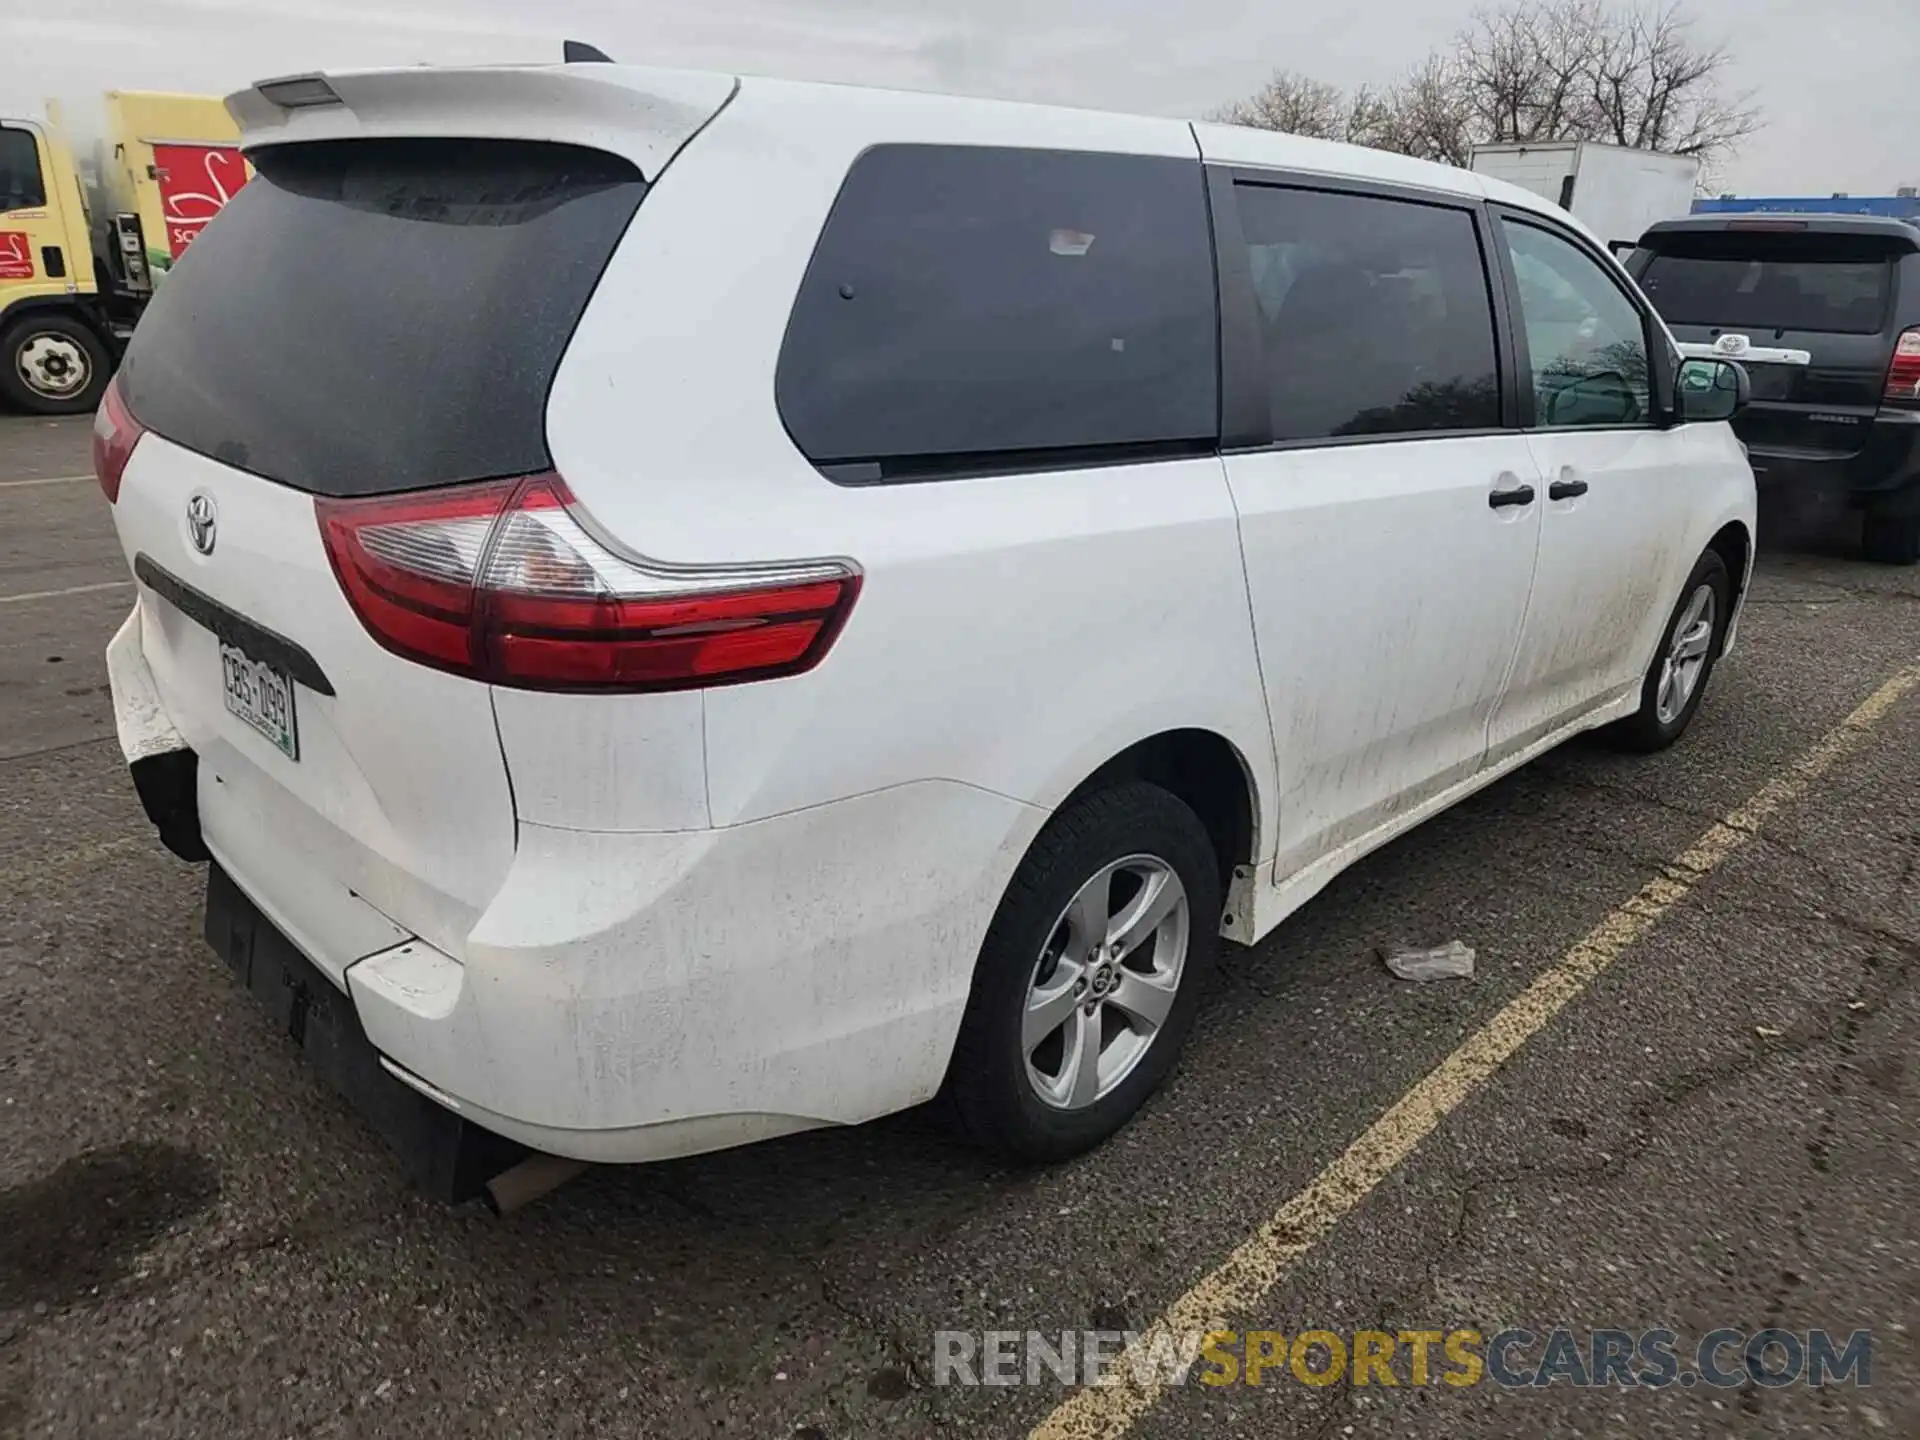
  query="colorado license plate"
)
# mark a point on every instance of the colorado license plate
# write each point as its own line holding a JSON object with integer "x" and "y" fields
{"x": 262, "y": 696}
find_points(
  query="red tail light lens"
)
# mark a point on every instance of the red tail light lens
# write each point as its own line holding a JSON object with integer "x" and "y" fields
{"x": 503, "y": 582}
{"x": 1903, "y": 376}
{"x": 115, "y": 433}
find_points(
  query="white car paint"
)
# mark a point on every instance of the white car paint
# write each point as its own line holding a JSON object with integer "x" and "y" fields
{"x": 370, "y": 816}
{"x": 1382, "y": 661}
{"x": 622, "y": 927}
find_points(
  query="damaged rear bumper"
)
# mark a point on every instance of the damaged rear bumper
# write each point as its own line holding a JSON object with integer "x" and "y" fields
{"x": 165, "y": 771}
{"x": 444, "y": 1154}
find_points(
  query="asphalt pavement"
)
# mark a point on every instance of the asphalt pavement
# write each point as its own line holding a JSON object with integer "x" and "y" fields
{"x": 1718, "y": 1128}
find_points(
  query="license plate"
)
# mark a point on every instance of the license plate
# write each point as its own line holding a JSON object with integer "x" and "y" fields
{"x": 262, "y": 696}
{"x": 1772, "y": 382}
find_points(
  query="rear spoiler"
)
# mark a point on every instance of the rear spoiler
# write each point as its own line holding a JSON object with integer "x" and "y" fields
{"x": 643, "y": 114}
{"x": 1901, "y": 234}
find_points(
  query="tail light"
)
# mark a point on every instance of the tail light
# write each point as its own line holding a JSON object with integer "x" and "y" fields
{"x": 506, "y": 582}
{"x": 1903, "y": 376}
{"x": 115, "y": 433}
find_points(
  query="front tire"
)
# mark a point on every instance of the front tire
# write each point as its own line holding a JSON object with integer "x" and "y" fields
{"x": 1684, "y": 662}
{"x": 1090, "y": 975}
{"x": 53, "y": 364}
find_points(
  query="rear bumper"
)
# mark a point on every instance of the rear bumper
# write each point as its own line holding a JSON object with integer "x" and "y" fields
{"x": 636, "y": 997}
{"x": 1883, "y": 472}
{"x": 623, "y": 996}
{"x": 446, "y": 1155}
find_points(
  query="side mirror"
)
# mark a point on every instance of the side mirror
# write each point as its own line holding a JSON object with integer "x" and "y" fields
{"x": 1713, "y": 389}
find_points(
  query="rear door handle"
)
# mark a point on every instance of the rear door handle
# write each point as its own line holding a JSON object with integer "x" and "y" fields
{"x": 1566, "y": 489}
{"x": 1519, "y": 495}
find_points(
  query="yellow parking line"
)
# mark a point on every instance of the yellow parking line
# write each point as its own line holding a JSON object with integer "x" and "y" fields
{"x": 1237, "y": 1284}
{"x": 44, "y": 480}
{"x": 70, "y": 590}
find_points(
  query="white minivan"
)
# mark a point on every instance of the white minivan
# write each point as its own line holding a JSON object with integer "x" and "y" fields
{"x": 683, "y": 609}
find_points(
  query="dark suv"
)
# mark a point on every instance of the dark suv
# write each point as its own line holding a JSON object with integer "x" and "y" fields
{"x": 1824, "y": 311}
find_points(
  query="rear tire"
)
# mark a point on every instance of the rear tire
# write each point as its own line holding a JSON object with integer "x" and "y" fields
{"x": 53, "y": 364}
{"x": 1890, "y": 539}
{"x": 1683, "y": 663}
{"x": 1042, "y": 960}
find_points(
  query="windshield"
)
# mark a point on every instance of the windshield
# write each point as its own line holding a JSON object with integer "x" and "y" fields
{"x": 369, "y": 316}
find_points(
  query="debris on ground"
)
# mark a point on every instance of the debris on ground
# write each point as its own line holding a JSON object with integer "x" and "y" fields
{"x": 1452, "y": 961}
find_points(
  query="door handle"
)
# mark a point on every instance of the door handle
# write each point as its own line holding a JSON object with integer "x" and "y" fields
{"x": 1566, "y": 489}
{"x": 1519, "y": 495}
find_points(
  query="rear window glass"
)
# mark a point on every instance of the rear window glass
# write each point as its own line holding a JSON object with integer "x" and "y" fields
{"x": 974, "y": 308}
{"x": 370, "y": 316}
{"x": 1742, "y": 282}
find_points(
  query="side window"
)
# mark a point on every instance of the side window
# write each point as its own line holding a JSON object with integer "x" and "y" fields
{"x": 1374, "y": 313}
{"x": 975, "y": 308}
{"x": 21, "y": 187}
{"x": 1588, "y": 342}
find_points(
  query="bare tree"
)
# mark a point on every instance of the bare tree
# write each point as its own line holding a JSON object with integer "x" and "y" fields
{"x": 1535, "y": 70}
{"x": 1426, "y": 115}
{"x": 1523, "y": 69}
{"x": 1653, "y": 87}
{"x": 1294, "y": 103}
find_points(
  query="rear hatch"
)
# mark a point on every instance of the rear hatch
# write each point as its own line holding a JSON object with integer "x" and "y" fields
{"x": 1816, "y": 311}
{"x": 370, "y": 317}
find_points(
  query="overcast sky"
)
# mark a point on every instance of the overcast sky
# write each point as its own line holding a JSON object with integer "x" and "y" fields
{"x": 1837, "y": 81}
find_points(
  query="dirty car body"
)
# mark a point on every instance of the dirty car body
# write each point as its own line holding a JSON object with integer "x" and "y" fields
{"x": 625, "y": 652}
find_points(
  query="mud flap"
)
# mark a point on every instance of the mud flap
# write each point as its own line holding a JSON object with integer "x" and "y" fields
{"x": 445, "y": 1155}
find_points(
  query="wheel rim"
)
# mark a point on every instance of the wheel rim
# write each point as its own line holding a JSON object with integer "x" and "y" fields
{"x": 54, "y": 365}
{"x": 1686, "y": 658}
{"x": 1105, "y": 981}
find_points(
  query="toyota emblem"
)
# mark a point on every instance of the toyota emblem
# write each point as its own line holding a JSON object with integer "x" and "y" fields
{"x": 203, "y": 520}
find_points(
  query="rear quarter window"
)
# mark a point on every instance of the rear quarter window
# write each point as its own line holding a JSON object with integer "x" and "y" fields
{"x": 987, "y": 308}
{"x": 372, "y": 316}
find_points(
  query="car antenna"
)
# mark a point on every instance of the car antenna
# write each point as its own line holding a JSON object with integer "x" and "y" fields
{"x": 578, "y": 52}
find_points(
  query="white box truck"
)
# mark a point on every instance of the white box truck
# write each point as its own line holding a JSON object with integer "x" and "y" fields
{"x": 1614, "y": 191}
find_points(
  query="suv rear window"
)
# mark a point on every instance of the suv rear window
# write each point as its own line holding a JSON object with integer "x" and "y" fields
{"x": 984, "y": 308}
{"x": 1760, "y": 282}
{"x": 370, "y": 316}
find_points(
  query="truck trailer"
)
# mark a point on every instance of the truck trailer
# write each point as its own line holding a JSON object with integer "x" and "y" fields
{"x": 1616, "y": 192}
{"x": 83, "y": 244}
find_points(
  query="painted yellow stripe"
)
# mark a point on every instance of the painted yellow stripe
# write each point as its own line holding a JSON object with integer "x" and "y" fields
{"x": 43, "y": 480}
{"x": 70, "y": 590}
{"x": 1238, "y": 1283}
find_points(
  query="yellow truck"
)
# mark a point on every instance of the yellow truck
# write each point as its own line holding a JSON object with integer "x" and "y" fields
{"x": 81, "y": 247}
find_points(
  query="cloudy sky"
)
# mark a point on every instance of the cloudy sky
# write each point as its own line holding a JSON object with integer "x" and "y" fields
{"x": 1841, "y": 95}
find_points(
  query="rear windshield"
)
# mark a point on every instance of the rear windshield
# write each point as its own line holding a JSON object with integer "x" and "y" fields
{"x": 370, "y": 316}
{"x": 1759, "y": 283}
